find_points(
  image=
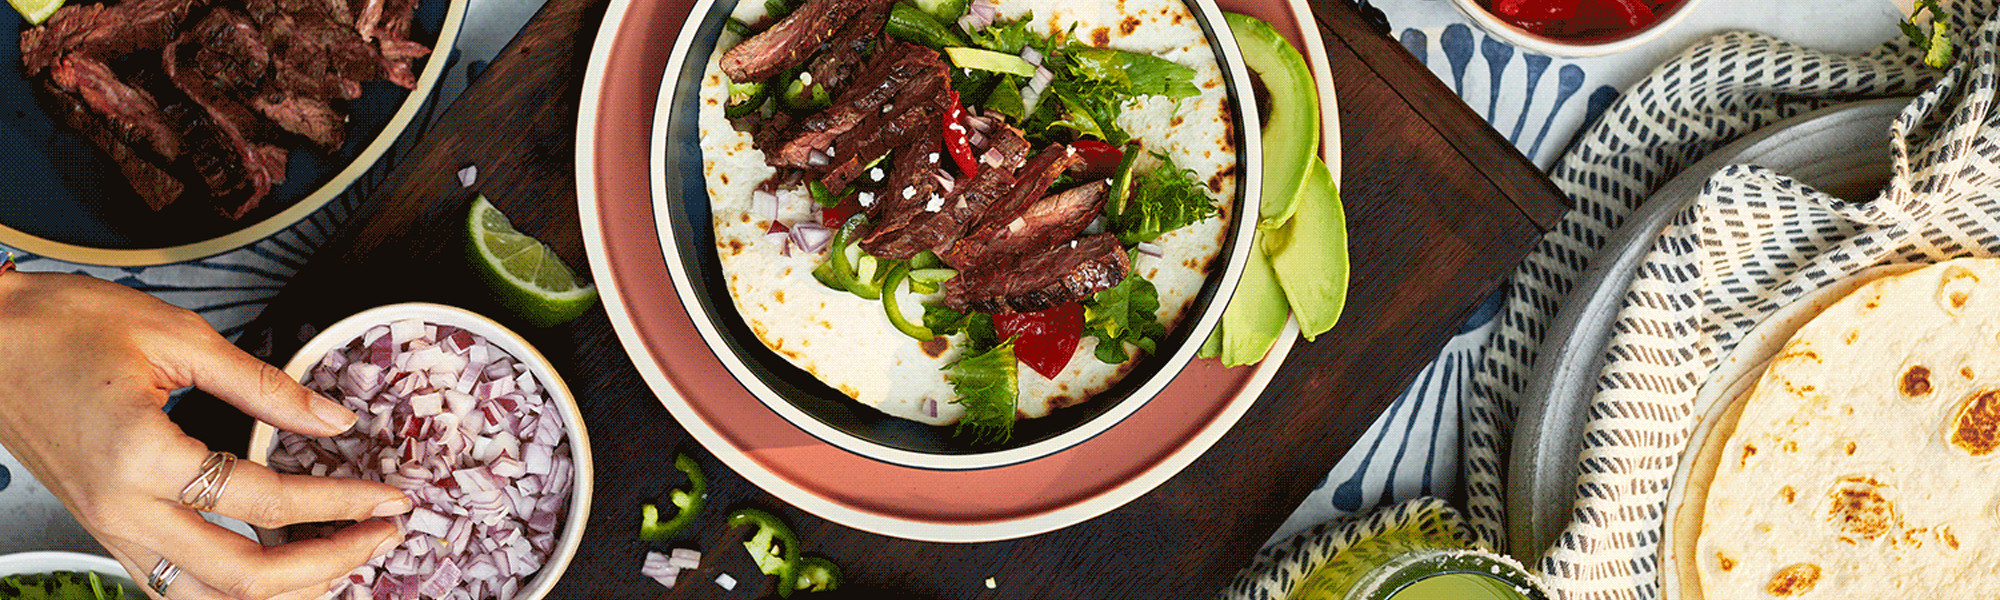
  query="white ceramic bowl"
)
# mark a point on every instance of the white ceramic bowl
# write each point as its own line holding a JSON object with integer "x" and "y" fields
{"x": 1574, "y": 47}
{"x": 20, "y": 563}
{"x": 263, "y": 436}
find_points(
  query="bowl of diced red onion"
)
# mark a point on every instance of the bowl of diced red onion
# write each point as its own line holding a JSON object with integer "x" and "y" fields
{"x": 474, "y": 424}
{"x": 1576, "y": 28}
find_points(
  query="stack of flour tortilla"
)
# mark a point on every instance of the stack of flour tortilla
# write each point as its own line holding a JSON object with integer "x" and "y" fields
{"x": 1866, "y": 462}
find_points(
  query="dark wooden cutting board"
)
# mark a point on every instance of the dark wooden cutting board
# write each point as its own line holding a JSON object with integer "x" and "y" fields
{"x": 1440, "y": 208}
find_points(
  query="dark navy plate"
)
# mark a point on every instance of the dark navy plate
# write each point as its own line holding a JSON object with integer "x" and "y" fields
{"x": 63, "y": 199}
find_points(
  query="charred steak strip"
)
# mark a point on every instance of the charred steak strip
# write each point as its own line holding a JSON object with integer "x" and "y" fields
{"x": 837, "y": 60}
{"x": 1031, "y": 183}
{"x": 1042, "y": 225}
{"x": 131, "y": 114}
{"x": 1051, "y": 278}
{"x": 788, "y": 43}
{"x": 900, "y": 75}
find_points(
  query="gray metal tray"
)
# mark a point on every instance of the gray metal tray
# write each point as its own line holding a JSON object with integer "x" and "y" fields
{"x": 1842, "y": 150}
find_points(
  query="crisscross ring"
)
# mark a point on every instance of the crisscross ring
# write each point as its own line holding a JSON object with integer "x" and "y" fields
{"x": 206, "y": 488}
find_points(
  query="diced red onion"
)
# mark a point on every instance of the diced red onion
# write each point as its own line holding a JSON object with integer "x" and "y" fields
{"x": 811, "y": 237}
{"x": 1040, "y": 82}
{"x": 944, "y": 180}
{"x": 482, "y": 521}
{"x": 1033, "y": 56}
{"x": 930, "y": 407}
{"x": 976, "y": 139}
{"x": 818, "y": 159}
{"x": 1150, "y": 249}
{"x": 468, "y": 175}
{"x": 979, "y": 15}
{"x": 727, "y": 582}
{"x": 1096, "y": 226}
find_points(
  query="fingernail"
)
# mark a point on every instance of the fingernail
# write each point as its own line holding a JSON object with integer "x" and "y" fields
{"x": 388, "y": 544}
{"x": 333, "y": 413}
{"x": 394, "y": 507}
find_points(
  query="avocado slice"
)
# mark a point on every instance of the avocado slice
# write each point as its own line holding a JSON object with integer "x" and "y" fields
{"x": 1291, "y": 128}
{"x": 1309, "y": 253}
{"x": 1256, "y": 314}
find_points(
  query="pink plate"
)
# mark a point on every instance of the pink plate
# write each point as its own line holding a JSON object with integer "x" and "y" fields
{"x": 614, "y": 133}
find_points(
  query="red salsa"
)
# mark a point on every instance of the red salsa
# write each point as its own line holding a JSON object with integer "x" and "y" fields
{"x": 1578, "y": 18}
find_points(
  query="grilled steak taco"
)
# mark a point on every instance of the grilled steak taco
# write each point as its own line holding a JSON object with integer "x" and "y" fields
{"x": 915, "y": 201}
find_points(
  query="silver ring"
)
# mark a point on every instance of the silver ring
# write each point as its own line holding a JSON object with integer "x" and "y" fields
{"x": 206, "y": 488}
{"x": 162, "y": 576}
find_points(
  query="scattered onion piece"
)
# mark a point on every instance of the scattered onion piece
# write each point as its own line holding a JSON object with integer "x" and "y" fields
{"x": 811, "y": 237}
{"x": 468, "y": 175}
{"x": 1150, "y": 249}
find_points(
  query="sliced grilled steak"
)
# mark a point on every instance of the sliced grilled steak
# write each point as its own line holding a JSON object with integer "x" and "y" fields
{"x": 1044, "y": 280}
{"x": 841, "y": 56}
{"x": 1005, "y": 148}
{"x": 910, "y": 228}
{"x": 1044, "y": 224}
{"x": 912, "y": 182}
{"x": 102, "y": 31}
{"x": 912, "y": 76}
{"x": 1030, "y": 184}
{"x": 788, "y": 43}
{"x": 131, "y": 114}
{"x": 259, "y": 166}
{"x": 310, "y": 117}
{"x": 153, "y": 184}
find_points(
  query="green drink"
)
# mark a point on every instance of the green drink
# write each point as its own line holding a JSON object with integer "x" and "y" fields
{"x": 1408, "y": 564}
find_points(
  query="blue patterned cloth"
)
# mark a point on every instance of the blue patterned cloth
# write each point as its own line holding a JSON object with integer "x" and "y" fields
{"x": 1539, "y": 103}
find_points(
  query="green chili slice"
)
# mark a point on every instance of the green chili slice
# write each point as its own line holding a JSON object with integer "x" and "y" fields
{"x": 687, "y": 501}
{"x": 772, "y": 546}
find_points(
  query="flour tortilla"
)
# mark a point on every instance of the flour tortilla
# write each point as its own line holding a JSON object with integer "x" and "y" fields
{"x": 1864, "y": 462}
{"x": 849, "y": 343}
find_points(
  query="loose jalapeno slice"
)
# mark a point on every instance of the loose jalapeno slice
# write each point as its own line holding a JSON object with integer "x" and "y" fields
{"x": 817, "y": 574}
{"x": 772, "y": 546}
{"x": 688, "y": 502}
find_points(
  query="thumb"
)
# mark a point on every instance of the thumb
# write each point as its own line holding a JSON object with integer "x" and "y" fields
{"x": 263, "y": 391}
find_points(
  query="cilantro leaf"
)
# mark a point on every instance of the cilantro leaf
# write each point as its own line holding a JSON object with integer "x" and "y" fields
{"x": 1125, "y": 313}
{"x": 987, "y": 384}
{"x": 1162, "y": 200}
{"x": 1011, "y": 37}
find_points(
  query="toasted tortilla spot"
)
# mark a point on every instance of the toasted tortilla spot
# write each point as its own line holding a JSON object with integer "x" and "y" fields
{"x": 1176, "y": 121}
{"x": 1723, "y": 560}
{"x": 1917, "y": 381}
{"x": 934, "y": 347}
{"x": 1100, "y": 37}
{"x": 1859, "y": 508}
{"x": 1789, "y": 494}
{"x": 735, "y": 247}
{"x": 1965, "y": 372}
{"x": 1851, "y": 448}
{"x": 1945, "y": 535}
{"x": 1064, "y": 402}
{"x": 1793, "y": 580}
{"x": 850, "y": 391}
{"x": 1126, "y": 26}
{"x": 780, "y": 295}
{"x": 746, "y": 217}
{"x": 1853, "y": 335}
{"x": 1976, "y": 429}
{"x": 1748, "y": 451}
{"x": 1791, "y": 445}
{"x": 724, "y": 175}
{"x": 1177, "y": 19}
{"x": 793, "y": 354}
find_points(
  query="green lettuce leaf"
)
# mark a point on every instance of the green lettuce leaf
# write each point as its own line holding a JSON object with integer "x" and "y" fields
{"x": 1162, "y": 200}
{"x": 1127, "y": 313}
{"x": 987, "y": 384}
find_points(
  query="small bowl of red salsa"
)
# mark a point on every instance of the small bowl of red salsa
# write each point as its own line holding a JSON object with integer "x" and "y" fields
{"x": 1576, "y": 27}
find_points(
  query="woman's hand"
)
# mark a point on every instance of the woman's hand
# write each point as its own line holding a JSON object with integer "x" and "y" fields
{"x": 85, "y": 367}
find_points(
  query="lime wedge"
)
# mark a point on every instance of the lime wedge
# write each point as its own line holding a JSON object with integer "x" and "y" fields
{"x": 523, "y": 273}
{"x": 36, "y": 11}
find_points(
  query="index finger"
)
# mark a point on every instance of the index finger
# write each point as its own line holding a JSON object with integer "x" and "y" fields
{"x": 263, "y": 391}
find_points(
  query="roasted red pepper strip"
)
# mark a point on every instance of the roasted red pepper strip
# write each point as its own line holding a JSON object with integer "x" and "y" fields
{"x": 836, "y": 215}
{"x": 1099, "y": 159}
{"x": 954, "y": 137}
{"x": 1044, "y": 340}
